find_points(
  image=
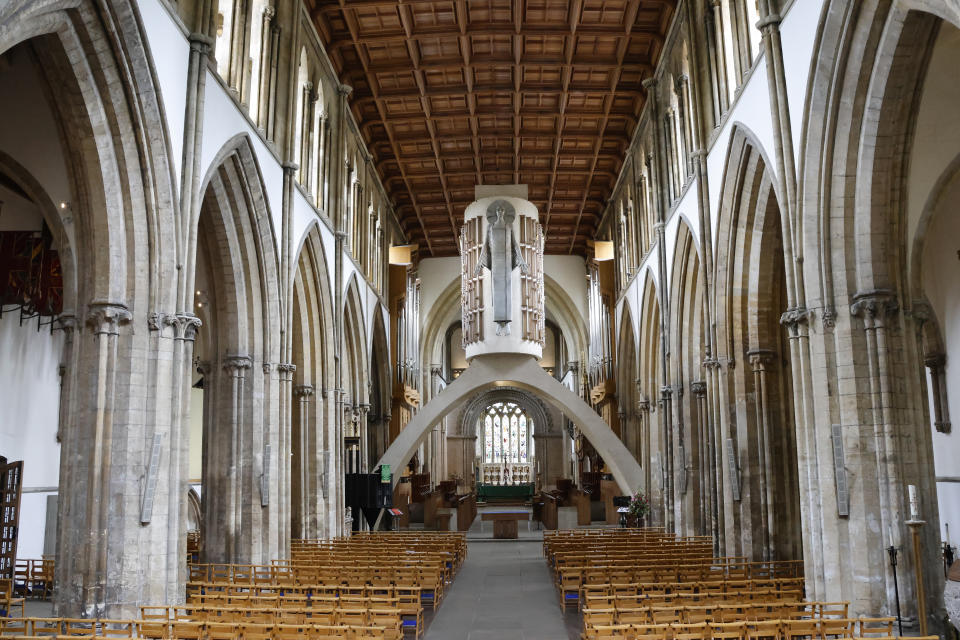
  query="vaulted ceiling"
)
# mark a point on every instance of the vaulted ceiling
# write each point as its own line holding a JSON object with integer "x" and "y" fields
{"x": 454, "y": 93}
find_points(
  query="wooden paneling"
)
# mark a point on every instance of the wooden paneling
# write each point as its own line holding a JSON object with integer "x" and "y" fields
{"x": 454, "y": 93}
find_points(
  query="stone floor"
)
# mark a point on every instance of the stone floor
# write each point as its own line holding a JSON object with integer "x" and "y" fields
{"x": 504, "y": 591}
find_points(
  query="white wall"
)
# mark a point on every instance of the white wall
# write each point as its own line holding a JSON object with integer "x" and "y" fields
{"x": 30, "y": 397}
{"x": 933, "y": 195}
{"x": 939, "y": 259}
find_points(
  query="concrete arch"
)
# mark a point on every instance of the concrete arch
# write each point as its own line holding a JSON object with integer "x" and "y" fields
{"x": 525, "y": 373}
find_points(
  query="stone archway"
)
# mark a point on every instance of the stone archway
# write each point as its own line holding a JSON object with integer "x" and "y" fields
{"x": 525, "y": 373}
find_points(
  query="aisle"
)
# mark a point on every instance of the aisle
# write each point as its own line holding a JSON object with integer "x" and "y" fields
{"x": 503, "y": 592}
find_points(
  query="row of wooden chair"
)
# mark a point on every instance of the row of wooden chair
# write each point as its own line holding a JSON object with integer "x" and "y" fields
{"x": 872, "y": 629}
{"x": 427, "y": 591}
{"x": 676, "y": 601}
{"x": 732, "y": 612}
{"x": 335, "y": 611}
{"x": 67, "y": 628}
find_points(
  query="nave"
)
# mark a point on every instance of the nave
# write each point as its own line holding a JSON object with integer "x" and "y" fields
{"x": 255, "y": 254}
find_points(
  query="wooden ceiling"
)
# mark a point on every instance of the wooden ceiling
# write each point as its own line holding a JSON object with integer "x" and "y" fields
{"x": 454, "y": 93}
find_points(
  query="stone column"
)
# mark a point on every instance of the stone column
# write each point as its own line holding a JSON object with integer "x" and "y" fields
{"x": 810, "y": 448}
{"x": 878, "y": 311}
{"x": 938, "y": 385}
{"x": 306, "y": 475}
{"x": 760, "y": 359}
{"x": 184, "y": 327}
{"x": 236, "y": 368}
{"x": 190, "y": 178}
{"x": 90, "y": 576}
{"x": 714, "y": 452}
{"x": 704, "y": 481}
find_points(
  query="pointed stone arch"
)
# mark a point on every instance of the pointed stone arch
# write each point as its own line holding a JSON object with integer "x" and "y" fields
{"x": 236, "y": 280}
{"x": 314, "y": 443}
{"x": 694, "y": 454}
{"x": 856, "y": 324}
{"x": 755, "y": 437}
{"x": 117, "y": 385}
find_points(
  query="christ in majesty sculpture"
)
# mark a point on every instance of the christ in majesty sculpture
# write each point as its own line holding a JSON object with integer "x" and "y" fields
{"x": 501, "y": 255}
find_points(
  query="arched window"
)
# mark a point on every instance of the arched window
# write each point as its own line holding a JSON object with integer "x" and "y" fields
{"x": 505, "y": 434}
{"x": 223, "y": 50}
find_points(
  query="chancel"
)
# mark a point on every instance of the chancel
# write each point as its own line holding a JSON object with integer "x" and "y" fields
{"x": 519, "y": 319}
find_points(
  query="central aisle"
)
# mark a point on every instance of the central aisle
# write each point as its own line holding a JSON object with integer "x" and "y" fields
{"x": 503, "y": 592}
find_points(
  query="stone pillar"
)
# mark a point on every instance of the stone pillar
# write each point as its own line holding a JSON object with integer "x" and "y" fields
{"x": 306, "y": 513}
{"x": 810, "y": 448}
{"x": 878, "y": 310}
{"x": 96, "y": 565}
{"x": 760, "y": 359}
{"x": 236, "y": 368}
{"x": 190, "y": 178}
{"x": 704, "y": 481}
{"x": 715, "y": 454}
{"x": 938, "y": 386}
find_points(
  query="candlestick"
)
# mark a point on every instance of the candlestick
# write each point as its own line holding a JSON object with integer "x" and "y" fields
{"x": 914, "y": 504}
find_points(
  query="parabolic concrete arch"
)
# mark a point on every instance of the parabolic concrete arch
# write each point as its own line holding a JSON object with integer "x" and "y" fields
{"x": 522, "y": 371}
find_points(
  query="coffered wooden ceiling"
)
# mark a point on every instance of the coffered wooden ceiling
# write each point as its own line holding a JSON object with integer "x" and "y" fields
{"x": 454, "y": 93}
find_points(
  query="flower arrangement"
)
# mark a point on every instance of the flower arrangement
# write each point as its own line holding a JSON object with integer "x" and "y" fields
{"x": 639, "y": 505}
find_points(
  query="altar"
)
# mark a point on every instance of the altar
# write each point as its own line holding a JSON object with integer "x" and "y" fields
{"x": 512, "y": 492}
{"x": 505, "y": 523}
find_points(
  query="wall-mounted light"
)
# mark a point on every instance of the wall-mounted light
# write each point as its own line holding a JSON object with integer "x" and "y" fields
{"x": 402, "y": 255}
{"x": 603, "y": 250}
{"x": 64, "y": 204}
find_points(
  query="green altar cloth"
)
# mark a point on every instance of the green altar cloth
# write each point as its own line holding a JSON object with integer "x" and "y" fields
{"x": 506, "y": 491}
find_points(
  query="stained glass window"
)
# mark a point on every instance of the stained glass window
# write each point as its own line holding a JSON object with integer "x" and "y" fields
{"x": 488, "y": 439}
{"x": 507, "y": 434}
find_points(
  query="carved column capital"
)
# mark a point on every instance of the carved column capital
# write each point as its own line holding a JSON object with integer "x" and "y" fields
{"x": 303, "y": 391}
{"x": 201, "y": 43}
{"x": 185, "y": 326}
{"x": 698, "y": 388}
{"x": 106, "y": 317}
{"x": 67, "y": 323}
{"x": 760, "y": 358}
{"x": 286, "y": 367}
{"x": 344, "y": 90}
{"x": 875, "y": 306}
{"x": 237, "y": 364}
{"x": 935, "y": 360}
{"x": 793, "y": 318}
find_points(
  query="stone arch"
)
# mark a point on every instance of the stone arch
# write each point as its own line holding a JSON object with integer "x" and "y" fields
{"x": 854, "y": 162}
{"x": 54, "y": 220}
{"x": 627, "y": 394}
{"x": 119, "y": 181}
{"x": 759, "y": 508}
{"x": 314, "y": 443}
{"x": 530, "y": 403}
{"x": 650, "y": 383}
{"x": 380, "y": 389}
{"x": 236, "y": 284}
{"x": 526, "y": 374}
{"x": 687, "y": 330}
{"x": 355, "y": 376}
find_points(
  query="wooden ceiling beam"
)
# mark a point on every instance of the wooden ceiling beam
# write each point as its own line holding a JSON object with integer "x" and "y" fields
{"x": 489, "y": 102}
{"x": 353, "y": 32}
{"x": 573, "y": 18}
{"x": 632, "y": 8}
{"x": 405, "y": 20}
